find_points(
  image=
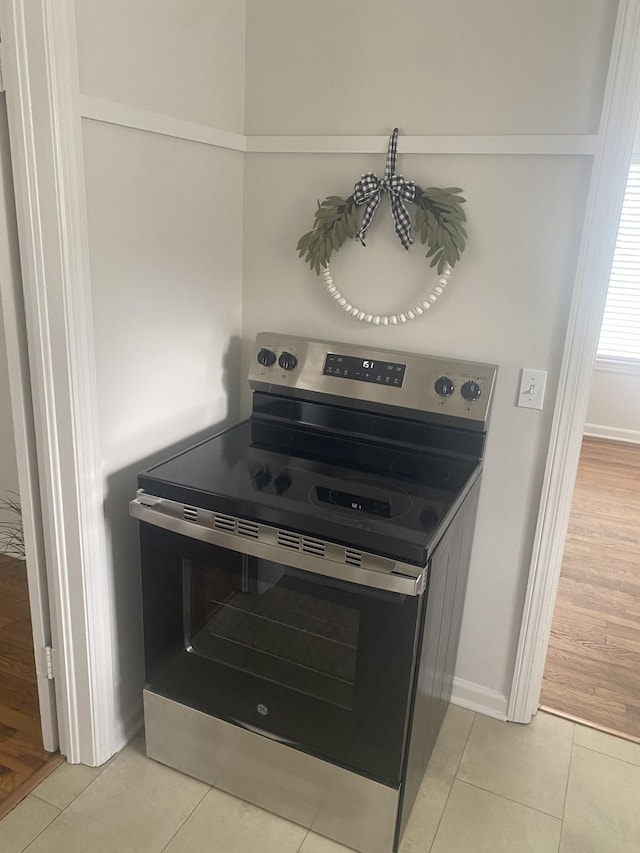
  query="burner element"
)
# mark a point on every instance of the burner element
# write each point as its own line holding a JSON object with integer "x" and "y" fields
{"x": 429, "y": 518}
{"x": 269, "y": 436}
{"x": 428, "y": 472}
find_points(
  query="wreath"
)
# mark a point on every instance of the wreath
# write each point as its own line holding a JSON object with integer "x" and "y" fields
{"x": 438, "y": 222}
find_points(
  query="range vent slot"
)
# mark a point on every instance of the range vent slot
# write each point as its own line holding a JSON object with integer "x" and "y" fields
{"x": 313, "y": 546}
{"x": 289, "y": 540}
{"x": 248, "y": 528}
{"x": 190, "y": 513}
{"x": 224, "y": 522}
{"x": 352, "y": 557}
{"x": 284, "y": 538}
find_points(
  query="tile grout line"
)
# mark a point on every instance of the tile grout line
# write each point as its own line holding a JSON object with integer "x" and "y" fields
{"x": 607, "y": 754}
{"x": 510, "y": 799}
{"x": 44, "y": 828}
{"x": 75, "y": 797}
{"x": 303, "y": 840}
{"x": 210, "y": 788}
{"x": 60, "y": 811}
{"x": 53, "y": 806}
{"x": 466, "y": 743}
{"x": 566, "y": 787}
{"x": 455, "y": 776}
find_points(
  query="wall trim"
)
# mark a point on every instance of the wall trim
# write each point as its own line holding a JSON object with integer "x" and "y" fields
{"x": 618, "y": 123}
{"x": 462, "y": 144}
{"x": 109, "y": 112}
{"x": 122, "y": 115}
{"x": 475, "y": 697}
{"x": 40, "y": 72}
{"x": 630, "y": 436}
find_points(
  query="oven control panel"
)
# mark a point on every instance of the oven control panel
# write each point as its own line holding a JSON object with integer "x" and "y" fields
{"x": 370, "y": 369}
{"x": 425, "y": 385}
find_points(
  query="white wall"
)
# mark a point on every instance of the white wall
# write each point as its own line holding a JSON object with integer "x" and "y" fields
{"x": 181, "y": 58}
{"x": 165, "y": 235}
{"x": 8, "y": 467}
{"x": 490, "y": 68}
{"x": 614, "y": 403}
{"x": 434, "y": 68}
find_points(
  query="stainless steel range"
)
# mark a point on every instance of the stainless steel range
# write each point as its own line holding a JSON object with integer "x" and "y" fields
{"x": 304, "y": 575}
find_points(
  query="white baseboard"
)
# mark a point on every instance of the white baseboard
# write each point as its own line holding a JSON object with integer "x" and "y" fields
{"x": 475, "y": 697}
{"x": 612, "y": 433}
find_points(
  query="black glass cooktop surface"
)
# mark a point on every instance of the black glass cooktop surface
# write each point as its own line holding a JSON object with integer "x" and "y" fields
{"x": 380, "y": 498}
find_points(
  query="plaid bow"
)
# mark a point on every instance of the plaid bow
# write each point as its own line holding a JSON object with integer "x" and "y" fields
{"x": 369, "y": 189}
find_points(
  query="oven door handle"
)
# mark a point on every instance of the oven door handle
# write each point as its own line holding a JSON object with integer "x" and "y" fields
{"x": 260, "y": 540}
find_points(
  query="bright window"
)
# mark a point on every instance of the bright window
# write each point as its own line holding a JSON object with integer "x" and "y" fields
{"x": 620, "y": 333}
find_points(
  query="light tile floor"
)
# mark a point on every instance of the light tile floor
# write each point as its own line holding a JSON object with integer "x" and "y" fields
{"x": 550, "y": 787}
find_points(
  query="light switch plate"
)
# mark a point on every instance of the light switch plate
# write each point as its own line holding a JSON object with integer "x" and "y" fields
{"x": 532, "y": 385}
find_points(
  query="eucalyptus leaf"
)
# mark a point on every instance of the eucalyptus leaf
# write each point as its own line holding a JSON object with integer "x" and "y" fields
{"x": 448, "y": 227}
{"x": 304, "y": 241}
{"x": 437, "y": 220}
{"x": 448, "y": 245}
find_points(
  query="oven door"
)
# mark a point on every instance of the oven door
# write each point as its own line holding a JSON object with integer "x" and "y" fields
{"x": 318, "y": 663}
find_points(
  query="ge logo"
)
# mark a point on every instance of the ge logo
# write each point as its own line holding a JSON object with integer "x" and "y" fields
{"x": 262, "y": 709}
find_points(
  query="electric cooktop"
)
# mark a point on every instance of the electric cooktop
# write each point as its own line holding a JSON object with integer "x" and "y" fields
{"x": 385, "y": 499}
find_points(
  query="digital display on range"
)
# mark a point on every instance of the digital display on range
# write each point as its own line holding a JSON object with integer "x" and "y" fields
{"x": 364, "y": 369}
{"x": 353, "y": 501}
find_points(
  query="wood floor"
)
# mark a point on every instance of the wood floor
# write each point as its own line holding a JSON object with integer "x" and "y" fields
{"x": 593, "y": 663}
{"x": 23, "y": 761}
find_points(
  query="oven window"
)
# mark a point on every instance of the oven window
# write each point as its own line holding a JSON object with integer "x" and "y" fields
{"x": 271, "y": 621}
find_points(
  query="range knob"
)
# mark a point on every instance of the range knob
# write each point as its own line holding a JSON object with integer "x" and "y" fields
{"x": 470, "y": 390}
{"x": 287, "y": 361}
{"x": 444, "y": 386}
{"x": 266, "y": 357}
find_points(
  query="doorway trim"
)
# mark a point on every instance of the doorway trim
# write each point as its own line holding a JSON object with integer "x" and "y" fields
{"x": 21, "y": 410}
{"x": 618, "y": 122}
{"x": 40, "y": 75}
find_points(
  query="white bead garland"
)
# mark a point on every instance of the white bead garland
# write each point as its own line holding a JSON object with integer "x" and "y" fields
{"x": 386, "y": 319}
